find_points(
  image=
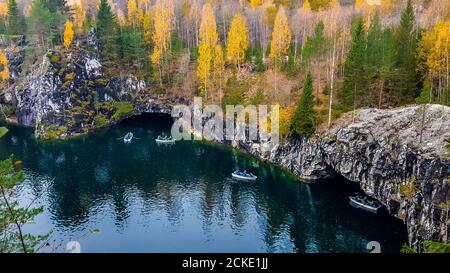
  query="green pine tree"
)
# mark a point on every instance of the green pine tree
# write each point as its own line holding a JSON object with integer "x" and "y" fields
{"x": 58, "y": 6}
{"x": 355, "y": 79}
{"x": 315, "y": 45}
{"x": 425, "y": 94}
{"x": 374, "y": 51}
{"x": 304, "y": 118}
{"x": 40, "y": 24}
{"x": 15, "y": 20}
{"x": 131, "y": 48}
{"x": 388, "y": 88}
{"x": 107, "y": 30}
{"x": 12, "y": 215}
{"x": 406, "y": 44}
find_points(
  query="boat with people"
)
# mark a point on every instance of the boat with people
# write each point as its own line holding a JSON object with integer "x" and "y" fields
{"x": 165, "y": 140}
{"x": 365, "y": 203}
{"x": 128, "y": 138}
{"x": 244, "y": 176}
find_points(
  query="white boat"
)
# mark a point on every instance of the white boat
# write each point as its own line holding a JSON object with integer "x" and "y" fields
{"x": 163, "y": 140}
{"x": 128, "y": 138}
{"x": 244, "y": 176}
{"x": 372, "y": 206}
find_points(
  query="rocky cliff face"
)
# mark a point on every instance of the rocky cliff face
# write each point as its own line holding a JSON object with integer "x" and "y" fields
{"x": 382, "y": 152}
{"x": 71, "y": 94}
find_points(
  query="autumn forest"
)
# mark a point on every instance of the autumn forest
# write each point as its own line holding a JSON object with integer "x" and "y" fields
{"x": 317, "y": 59}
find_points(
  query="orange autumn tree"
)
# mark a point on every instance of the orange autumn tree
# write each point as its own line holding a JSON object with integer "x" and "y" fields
{"x": 68, "y": 34}
{"x": 4, "y": 67}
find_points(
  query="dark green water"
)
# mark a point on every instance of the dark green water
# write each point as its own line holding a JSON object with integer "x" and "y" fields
{"x": 149, "y": 198}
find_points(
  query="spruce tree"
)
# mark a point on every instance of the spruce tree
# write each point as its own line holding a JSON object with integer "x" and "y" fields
{"x": 40, "y": 23}
{"x": 425, "y": 94}
{"x": 107, "y": 29}
{"x": 15, "y": 21}
{"x": 355, "y": 79}
{"x": 406, "y": 43}
{"x": 58, "y": 6}
{"x": 303, "y": 121}
{"x": 131, "y": 48}
{"x": 315, "y": 45}
{"x": 374, "y": 51}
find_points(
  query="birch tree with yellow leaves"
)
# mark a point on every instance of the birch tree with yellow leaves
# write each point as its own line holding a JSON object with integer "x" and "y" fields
{"x": 208, "y": 39}
{"x": 132, "y": 18}
{"x": 147, "y": 29}
{"x": 433, "y": 55}
{"x": 219, "y": 67}
{"x": 281, "y": 39}
{"x": 79, "y": 15}
{"x": 163, "y": 13}
{"x": 68, "y": 34}
{"x": 238, "y": 41}
{"x": 4, "y": 67}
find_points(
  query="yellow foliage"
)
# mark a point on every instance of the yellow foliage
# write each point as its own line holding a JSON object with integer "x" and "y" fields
{"x": 78, "y": 15}
{"x": 147, "y": 25}
{"x": 360, "y": 3}
{"x": 68, "y": 34}
{"x": 163, "y": 12}
{"x": 256, "y": 3}
{"x": 438, "y": 59}
{"x": 387, "y": 6}
{"x": 335, "y": 5}
{"x": 269, "y": 15}
{"x": 306, "y": 6}
{"x": 237, "y": 39}
{"x": 208, "y": 27}
{"x": 218, "y": 60}
{"x": 132, "y": 13}
{"x": 219, "y": 64}
{"x": 4, "y": 65}
{"x": 3, "y": 9}
{"x": 204, "y": 66}
{"x": 281, "y": 36}
{"x": 434, "y": 49}
{"x": 207, "y": 47}
{"x": 286, "y": 121}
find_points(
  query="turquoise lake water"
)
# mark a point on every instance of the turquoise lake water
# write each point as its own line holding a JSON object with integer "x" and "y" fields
{"x": 143, "y": 197}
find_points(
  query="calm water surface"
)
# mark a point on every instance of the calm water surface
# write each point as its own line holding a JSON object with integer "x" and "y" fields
{"x": 148, "y": 198}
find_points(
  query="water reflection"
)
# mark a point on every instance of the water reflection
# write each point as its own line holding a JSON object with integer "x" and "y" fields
{"x": 149, "y": 198}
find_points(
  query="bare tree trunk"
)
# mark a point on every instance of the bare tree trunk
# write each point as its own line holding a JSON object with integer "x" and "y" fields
{"x": 332, "y": 80}
{"x": 380, "y": 98}
{"x": 354, "y": 105}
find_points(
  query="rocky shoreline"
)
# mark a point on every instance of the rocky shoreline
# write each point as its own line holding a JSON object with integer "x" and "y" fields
{"x": 412, "y": 182}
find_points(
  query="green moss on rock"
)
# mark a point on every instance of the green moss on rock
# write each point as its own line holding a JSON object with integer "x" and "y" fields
{"x": 100, "y": 121}
{"x": 123, "y": 109}
{"x": 101, "y": 82}
{"x": 410, "y": 188}
{"x": 54, "y": 58}
{"x": 54, "y": 132}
